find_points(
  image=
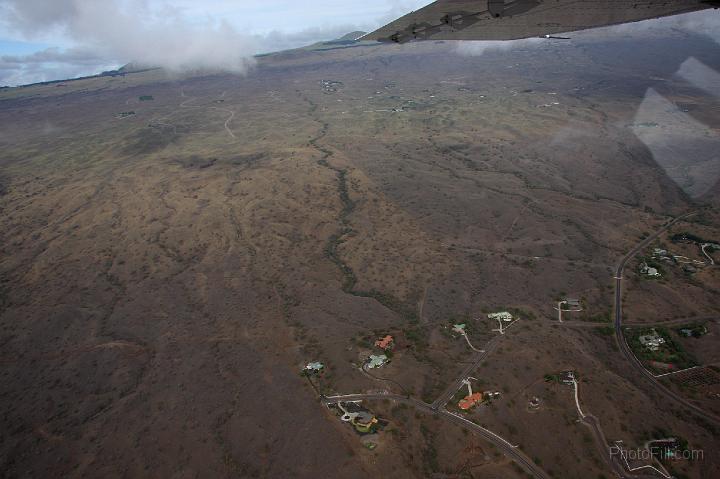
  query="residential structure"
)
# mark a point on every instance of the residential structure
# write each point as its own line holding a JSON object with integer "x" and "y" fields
{"x": 649, "y": 271}
{"x": 567, "y": 378}
{"x": 459, "y": 328}
{"x": 696, "y": 331}
{"x": 314, "y": 368}
{"x": 470, "y": 401}
{"x": 652, "y": 341}
{"x": 385, "y": 343}
{"x": 501, "y": 316}
{"x": 364, "y": 422}
{"x": 377, "y": 361}
{"x": 572, "y": 303}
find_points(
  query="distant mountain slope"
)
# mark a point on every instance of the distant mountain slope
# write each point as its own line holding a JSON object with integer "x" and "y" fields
{"x": 352, "y": 36}
{"x": 348, "y": 40}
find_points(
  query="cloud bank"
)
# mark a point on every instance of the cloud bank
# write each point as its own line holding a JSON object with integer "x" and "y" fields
{"x": 89, "y": 36}
{"x": 114, "y": 32}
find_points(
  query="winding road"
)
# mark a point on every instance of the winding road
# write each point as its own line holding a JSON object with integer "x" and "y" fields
{"x": 594, "y": 424}
{"x": 437, "y": 408}
{"x": 620, "y": 336}
{"x": 503, "y": 445}
{"x": 450, "y": 391}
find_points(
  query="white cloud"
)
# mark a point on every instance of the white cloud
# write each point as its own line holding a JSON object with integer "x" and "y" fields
{"x": 174, "y": 34}
{"x": 120, "y": 31}
{"x": 95, "y": 35}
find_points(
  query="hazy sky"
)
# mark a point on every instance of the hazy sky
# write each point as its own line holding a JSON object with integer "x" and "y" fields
{"x": 50, "y": 39}
{"x": 57, "y": 39}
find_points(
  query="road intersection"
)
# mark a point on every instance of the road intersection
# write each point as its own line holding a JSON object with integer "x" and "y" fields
{"x": 620, "y": 334}
{"x": 438, "y": 407}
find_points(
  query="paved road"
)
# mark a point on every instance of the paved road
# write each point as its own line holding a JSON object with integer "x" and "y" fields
{"x": 594, "y": 424}
{"x": 450, "y": 391}
{"x": 677, "y": 322}
{"x": 437, "y": 408}
{"x": 504, "y": 446}
{"x": 620, "y": 335}
{"x": 665, "y": 322}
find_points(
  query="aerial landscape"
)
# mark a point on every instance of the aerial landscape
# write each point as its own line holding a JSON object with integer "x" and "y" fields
{"x": 359, "y": 259}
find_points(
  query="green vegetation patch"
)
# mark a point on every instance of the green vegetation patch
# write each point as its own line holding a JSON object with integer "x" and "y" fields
{"x": 603, "y": 317}
{"x": 652, "y": 263}
{"x": 605, "y": 330}
{"x": 670, "y": 352}
{"x": 692, "y": 330}
{"x": 689, "y": 237}
{"x": 146, "y": 98}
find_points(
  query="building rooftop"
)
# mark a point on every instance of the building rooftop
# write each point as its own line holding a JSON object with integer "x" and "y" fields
{"x": 377, "y": 361}
{"x": 652, "y": 340}
{"x": 502, "y": 315}
{"x": 385, "y": 343}
{"x": 315, "y": 366}
{"x": 470, "y": 401}
{"x": 648, "y": 271}
{"x": 567, "y": 377}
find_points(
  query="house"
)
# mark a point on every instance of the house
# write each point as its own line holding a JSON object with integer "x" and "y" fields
{"x": 696, "y": 331}
{"x": 572, "y": 303}
{"x": 314, "y": 367}
{"x": 459, "y": 328}
{"x": 385, "y": 343}
{"x": 567, "y": 378}
{"x": 470, "y": 401}
{"x": 649, "y": 271}
{"x": 501, "y": 316}
{"x": 534, "y": 403}
{"x": 667, "y": 448}
{"x": 652, "y": 341}
{"x": 362, "y": 419}
{"x": 660, "y": 252}
{"x": 377, "y": 361}
{"x": 364, "y": 422}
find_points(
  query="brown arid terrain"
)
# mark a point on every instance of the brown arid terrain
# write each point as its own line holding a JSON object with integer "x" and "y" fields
{"x": 174, "y": 250}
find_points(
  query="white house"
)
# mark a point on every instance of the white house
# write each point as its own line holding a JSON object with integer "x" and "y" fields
{"x": 502, "y": 316}
{"x": 652, "y": 341}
